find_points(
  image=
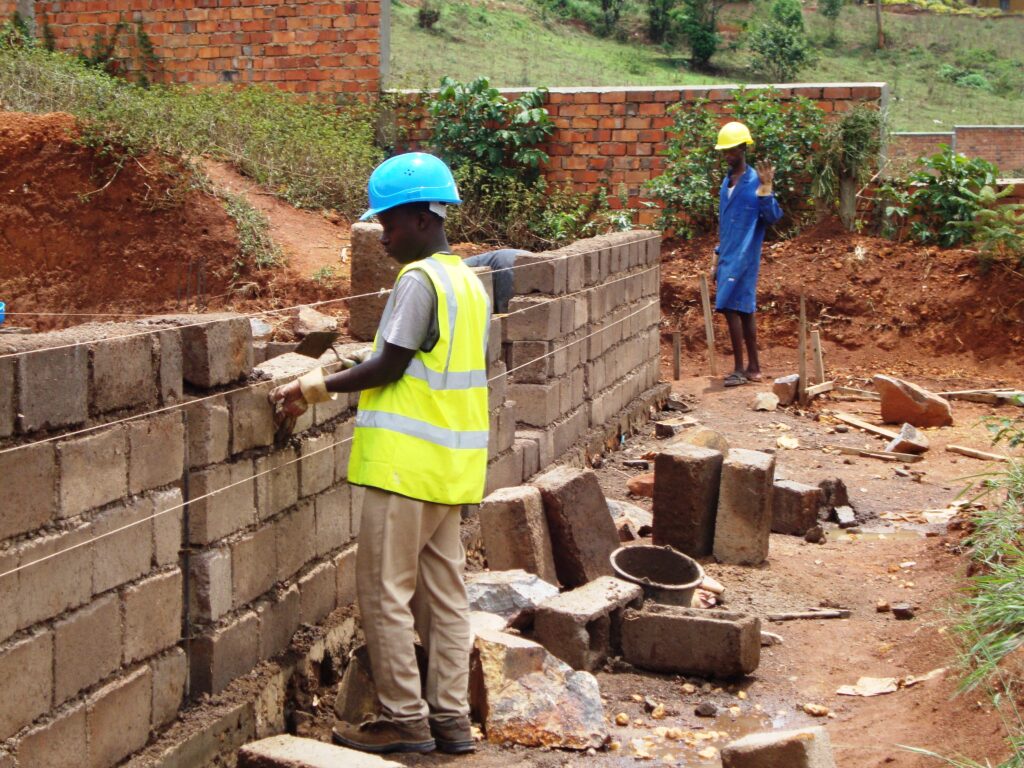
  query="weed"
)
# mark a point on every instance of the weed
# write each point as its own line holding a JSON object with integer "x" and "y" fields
{"x": 256, "y": 249}
{"x": 324, "y": 275}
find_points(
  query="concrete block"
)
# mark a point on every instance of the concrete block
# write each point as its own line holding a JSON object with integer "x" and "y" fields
{"x": 167, "y": 529}
{"x": 26, "y": 666}
{"x": 208, "y": 430}
{"x": 53, "y": 389}
{"x": 504, "y": 471}
{"x": 224, "y": 653}
{"x": 152, "y": 615}
{"x": 295, "y": 752}
{"x": 533, "y": 319}
{"x": 93, "y": 470}
{"x": 53, "y": 586}
{"x": 333, "y": 519}
{"x": 506, "y": 434}
{"x": 123, "y": 373}
{"x": 515, "y": 532}
{"x": 295, "y": 533}
{"x": 345, "y": 565}
{"x": 537, "y": 404}
{"x": 358, "y": 497}
{"x": 688, "y": 641}
{"x": 531, "y": 361}
{"x": 326, "y": 412}
{"x": 209, "y": 584}
{"x": 318, "y": 593}
{"x": 156, "y": 451}
{"x": 495, "y": 338}
{"x": 277, "y": 482}
{"x": 582, "y": 627}
{"x": 795, "y": 507}
{"x": 565, "y": 432}
{"x": 545, "y": 444}
{"x": 803, "y": 748}
{"x": 127, "y": 554}
{"x": 279, "y": 620}
{"x": 744, "y": 519}
{"x": 254, "y": 565}
{"x": 583, "y": 535}
{"x": 86, "y": 647}
{"x": 118, "y": 717}
{"x": 343, "y": 448}
{"x": 372, "y": 270}
{"x": 59, "y": 743}
{"x": 171, "y": 366}
{"x": 170, "y": 673}
{"x": 252, "y": 420}
{"x": 8, "y": 396}
{"x": 216, "y": 347}
{"x": 228, "y": 505}
{"x": 30, "y": 493}
{"x": 531, "y": 456}
{"x": 539, "y": 273}
{"x": 686, "y": 483}
{"x": 316, "y": 465}
{"x": 497, "y": 385}
{"x": 572, "y": 391}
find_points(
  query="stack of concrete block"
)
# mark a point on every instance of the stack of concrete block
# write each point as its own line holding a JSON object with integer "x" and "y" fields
{"x": 744, "y": 520}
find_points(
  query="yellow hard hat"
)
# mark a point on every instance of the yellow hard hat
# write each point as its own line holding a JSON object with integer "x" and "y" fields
{"x": 732, "y": 135}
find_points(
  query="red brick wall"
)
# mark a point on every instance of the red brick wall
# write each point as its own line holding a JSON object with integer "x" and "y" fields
{"x": 306, "y": 46}
{"x": 619, "y": 134}
{"x": 999, "y": 144}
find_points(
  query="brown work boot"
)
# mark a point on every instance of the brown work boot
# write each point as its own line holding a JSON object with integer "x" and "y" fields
{"x": 383, "y": 736}
{"x": 453, "y": 735}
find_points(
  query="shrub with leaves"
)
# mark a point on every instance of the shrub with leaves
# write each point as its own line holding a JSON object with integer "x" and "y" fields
{"x": 473, "y": 124}
{"x": 779, "y": 45}
{"x": 847, "y": 156}
{"x": 785, "y": 132}
{"x": 831, "y": 9}
{"x": 945, "y": 196}
{"x": 697, "y": 21}
{"x": 997, "y": 227}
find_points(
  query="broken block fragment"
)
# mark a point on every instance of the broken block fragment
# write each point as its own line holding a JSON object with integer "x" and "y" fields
{"x": 804, "y": 748}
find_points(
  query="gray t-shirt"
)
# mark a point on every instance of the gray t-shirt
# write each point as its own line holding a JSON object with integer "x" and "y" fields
{"x": 410, "y": 318}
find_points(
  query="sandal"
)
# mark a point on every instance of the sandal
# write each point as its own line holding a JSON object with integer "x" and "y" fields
{"x": 734, "y": 379}
{"x": 754, "y": 376}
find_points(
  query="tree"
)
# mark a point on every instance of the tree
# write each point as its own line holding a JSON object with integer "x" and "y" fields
{"x": 659, "y": 19}
{"x": 779, "y": 45}
{"x": 697, "y": 22}
{"x": 610, "y": 12}
{"x": 830, "y": 9}
{"x": 878, "y": 23}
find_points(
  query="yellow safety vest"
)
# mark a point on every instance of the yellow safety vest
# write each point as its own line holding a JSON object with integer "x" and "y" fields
{"x": 425, "y": 435}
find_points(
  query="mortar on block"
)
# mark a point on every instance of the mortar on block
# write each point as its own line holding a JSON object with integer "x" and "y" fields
{"x": 667, "y": 575}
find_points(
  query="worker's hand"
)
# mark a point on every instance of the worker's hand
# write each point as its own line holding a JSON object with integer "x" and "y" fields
{"x": 714, "y": 267}
{"x": 765, "y": 175}
{"x": 288, "y": 399}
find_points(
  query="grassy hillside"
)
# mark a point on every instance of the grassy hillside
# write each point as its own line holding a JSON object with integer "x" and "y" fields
{"x": 518, "y": 45}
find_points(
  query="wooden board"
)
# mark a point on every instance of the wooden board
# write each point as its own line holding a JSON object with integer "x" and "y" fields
{"x": 676, "y": 347}
{"x": 709, "y": 326}
{"x": 883, "y": 455}
{"x": 853, "y": 421}
{"x": 818, "y": 389}
{"x": 974, "y": 453}
{"x": 802, "y": 354}
{"x": 818, "y": 359}
{"x": 864, "y": 394}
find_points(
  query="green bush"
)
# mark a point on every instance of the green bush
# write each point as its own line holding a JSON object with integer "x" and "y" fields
{"x": 945, "y": 196}
{"x": 997, "y": 227}
{"x": 785, "y": 133}
{"x": 831, "y": 9}
{"x": 313, "y": 155}
{"x": 697, "y": 22}
{"x": 779, "y": 45}
{"x": 847, "y": 156}
{"x": 473, "y": 124}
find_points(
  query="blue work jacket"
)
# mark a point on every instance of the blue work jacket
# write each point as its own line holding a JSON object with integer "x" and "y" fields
{"x": 742, "y": 219}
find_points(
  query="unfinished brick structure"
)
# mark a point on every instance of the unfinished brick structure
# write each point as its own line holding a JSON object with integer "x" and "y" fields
{"x": 999, "y": 144}
{"x": 609, "y": 136}
{"x": 308, "y": 46}
{"x": 211, "y": 532}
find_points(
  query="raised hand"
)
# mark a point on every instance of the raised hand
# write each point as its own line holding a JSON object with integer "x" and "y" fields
{"x": 765, "y": 174}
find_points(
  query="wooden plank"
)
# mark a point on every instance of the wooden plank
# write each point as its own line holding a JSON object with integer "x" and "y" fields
{"x": 841, "y": 613}
{"x": 974, "y": 453}
{"x": 883, "y": 455}
{"x": 709, "y": 326}
{"x": 864, "y": 394}
{"x": 802, "y": 354}
{"x": 818, "y": 389}
{"x": 853, "y": 421}
{"x": 676, "y": 346}
{"x": 819, "y": 360}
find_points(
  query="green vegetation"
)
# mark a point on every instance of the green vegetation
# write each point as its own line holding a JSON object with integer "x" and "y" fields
{"x": 315, "y": 156}
{"x": 778, "y": 43}
{"x": 256, "y": 249}
{"x": 531, "y": 45}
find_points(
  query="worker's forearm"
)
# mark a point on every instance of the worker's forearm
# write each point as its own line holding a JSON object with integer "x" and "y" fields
{"x": 375, "y": 372}
{"x": 764, "y": 190}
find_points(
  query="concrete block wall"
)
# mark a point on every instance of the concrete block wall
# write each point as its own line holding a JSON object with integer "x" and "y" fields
{"x": 609, "y": 136}
{"x": 309, "y": 46}
{"x": 205, "y": 545}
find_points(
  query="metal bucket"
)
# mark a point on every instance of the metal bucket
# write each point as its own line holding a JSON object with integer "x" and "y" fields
{"x": 666, "y": 574}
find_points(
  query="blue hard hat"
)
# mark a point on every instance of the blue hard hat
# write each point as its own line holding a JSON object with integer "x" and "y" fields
{"x": 414, "y": 177}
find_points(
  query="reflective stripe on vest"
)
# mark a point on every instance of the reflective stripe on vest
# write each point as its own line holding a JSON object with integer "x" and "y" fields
{"x": 425, "y": 435}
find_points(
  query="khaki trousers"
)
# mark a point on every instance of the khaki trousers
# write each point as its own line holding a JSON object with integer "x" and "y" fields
{"x": 409, "y": 568}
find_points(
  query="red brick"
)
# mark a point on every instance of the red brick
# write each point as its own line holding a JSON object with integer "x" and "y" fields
{"x": 836, "y": 93}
